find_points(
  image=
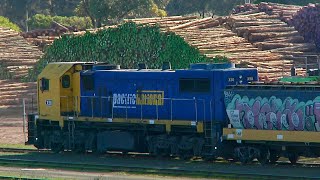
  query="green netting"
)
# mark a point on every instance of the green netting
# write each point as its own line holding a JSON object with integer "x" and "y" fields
{"x": 298, "y": 79}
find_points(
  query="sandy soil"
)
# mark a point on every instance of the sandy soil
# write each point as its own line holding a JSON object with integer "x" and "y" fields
{"x": 11, "y": 127}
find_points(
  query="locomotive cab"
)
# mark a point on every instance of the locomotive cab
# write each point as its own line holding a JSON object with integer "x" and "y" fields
{"x": 58, "y": 83}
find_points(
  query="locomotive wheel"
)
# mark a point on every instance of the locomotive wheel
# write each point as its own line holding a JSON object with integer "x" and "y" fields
{"x": 185, "y": 155}
{"x": 57, "y": 147}
{"x": 293, "y": 158}
{"x": 160, "y": 153}
{"x": 209, "y": 158}
{"x": 79, "y": 148}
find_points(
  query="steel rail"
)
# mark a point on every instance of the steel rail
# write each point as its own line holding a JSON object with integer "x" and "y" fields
{"x": 220, "y": 171}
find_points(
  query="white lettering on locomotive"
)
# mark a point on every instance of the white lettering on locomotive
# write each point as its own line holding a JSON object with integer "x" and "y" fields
{"x": 146, "y": 98}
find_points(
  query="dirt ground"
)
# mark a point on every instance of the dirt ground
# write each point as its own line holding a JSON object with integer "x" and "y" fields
{"x": 11, "y": 126}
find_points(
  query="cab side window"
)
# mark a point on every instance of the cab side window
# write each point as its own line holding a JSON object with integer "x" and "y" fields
{"x": 200, "y": 85}
{"x": 44, "y": 84}
{"x": 88, "y": 82}
{"x": 65, "y": 81}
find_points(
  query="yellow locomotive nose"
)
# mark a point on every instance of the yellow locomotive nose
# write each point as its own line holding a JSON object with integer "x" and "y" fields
{"x": 59, "y": 91}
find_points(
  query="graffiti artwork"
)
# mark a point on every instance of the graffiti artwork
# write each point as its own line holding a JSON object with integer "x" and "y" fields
{"x": 273, "y": 113}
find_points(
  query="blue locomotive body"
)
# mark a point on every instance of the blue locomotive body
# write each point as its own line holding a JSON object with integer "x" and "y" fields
{"x": 194, "y": 94}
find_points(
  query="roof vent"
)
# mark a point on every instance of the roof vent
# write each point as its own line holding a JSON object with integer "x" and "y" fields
{"x": 106, "y": 67}
{"x": 142, "y": 66}
{"x": 166, "y": 66}
{"x": 212, "y": 66}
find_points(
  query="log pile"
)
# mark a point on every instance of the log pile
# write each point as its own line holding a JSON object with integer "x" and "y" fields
{"x": 307, "y": 22}
{"x": 274, "y": 35}
{"x": 44, "y": 37}
{"x": 16, "y": 53}
{"x": 282, "y": 10}
{"x": 55, "y": 30}
{"x": 18, "y": 56}
{"x": 257, "y": 35}
{"x": 226, "y": 39}
{"x": 245, "y": 8}
{"x": 12, "y": 93}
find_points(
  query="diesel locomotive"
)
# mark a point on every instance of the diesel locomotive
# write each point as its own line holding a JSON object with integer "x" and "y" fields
{"x": 208, "y": 110}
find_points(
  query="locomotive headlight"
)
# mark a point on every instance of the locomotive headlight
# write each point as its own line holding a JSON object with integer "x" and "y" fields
{"x": 215, "y": 148}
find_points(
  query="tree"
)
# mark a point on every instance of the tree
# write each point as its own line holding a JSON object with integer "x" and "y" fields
{"x": 202, "y": 7}
{"x": 223, "y": 7}
{"x": 5, "y": 22}
{"x": 18, "y": 10}
{"x": 294, "y": 2}
{"x": 111, "y": 11}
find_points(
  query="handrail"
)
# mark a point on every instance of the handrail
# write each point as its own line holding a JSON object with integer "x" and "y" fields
{"x": 127, "y": 107}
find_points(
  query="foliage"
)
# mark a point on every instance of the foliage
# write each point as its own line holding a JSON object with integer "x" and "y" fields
{"x": 294, "y": 2}
{"x": 127, "y": 45}
{"x": 202, "y": 7}
{"x": 5, "y": 22}
{"x": 16, "y": 10}
{"x": 4, "y": 73}
{"x": 111, "y": 11}
{"x": 41, "y": 21}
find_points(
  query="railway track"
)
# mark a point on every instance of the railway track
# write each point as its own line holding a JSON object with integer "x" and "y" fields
{"x": 141, "y": 163}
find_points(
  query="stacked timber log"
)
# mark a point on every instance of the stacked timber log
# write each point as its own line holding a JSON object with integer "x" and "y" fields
{"x": 212, "y": 38}
{"x": 55, "y": 30}
{"x": 17, "y": 56}
{"x": 12, "y": 94}
{"x": 43, "y": 37}
{"x": 269, "y": 33}
{"x": 307, "y": 22}
{"x": 245, "y": 8}
{"x": 256, "y": 36}
{"x": 282, "y": 10}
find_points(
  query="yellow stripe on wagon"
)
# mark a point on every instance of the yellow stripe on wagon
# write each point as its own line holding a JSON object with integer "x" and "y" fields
{"x": 271, "y": 135}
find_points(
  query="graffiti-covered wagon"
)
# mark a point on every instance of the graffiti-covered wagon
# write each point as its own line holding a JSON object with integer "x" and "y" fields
{"x": 281, "y": 118}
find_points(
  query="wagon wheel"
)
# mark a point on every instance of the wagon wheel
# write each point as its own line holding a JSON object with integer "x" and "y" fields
{"x": 244, "y": 155}
{"x": 243, "y": 158}
{"x": 293, "y": 158}
{"x": 274, "y": 157}
{"x": 264, "y": 156}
